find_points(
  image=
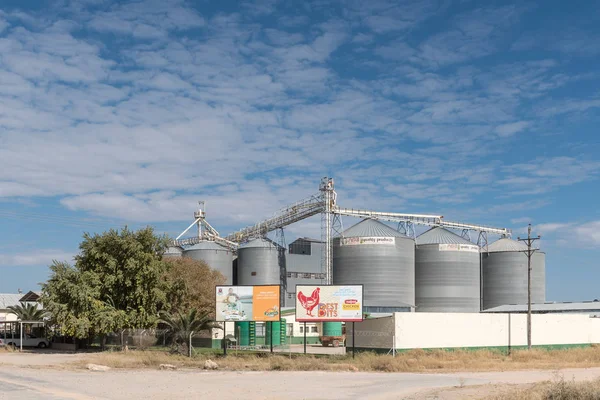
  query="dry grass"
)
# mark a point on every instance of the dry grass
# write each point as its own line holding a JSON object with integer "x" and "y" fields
{"x": 411, "y": 361}
{"x": 559, "y": 389}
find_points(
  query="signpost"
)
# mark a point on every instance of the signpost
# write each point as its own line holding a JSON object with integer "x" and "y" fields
{"x": 330, "y": 303}
{"x": 247, "y": 303}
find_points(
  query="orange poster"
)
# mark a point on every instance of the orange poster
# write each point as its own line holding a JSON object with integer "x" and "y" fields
{"x": 265, "y": 303}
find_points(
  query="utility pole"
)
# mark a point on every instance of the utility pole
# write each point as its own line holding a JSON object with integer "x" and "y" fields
{"x": 529, "y": 252}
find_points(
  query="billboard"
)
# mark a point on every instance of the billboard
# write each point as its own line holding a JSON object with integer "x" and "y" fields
{"x": 321, "y": 303}
{"x": 247, "y": 303}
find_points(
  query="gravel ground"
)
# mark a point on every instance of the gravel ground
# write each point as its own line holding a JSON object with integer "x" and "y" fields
{"x": 39, "y": 376}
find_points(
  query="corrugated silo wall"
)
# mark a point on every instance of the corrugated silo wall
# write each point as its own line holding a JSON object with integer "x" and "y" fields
{"x": 262, "y": 266}
{"x": 386, "y": 271}
{"x": 446, "y": 281}
{"x": 505, "y": 278}
{"x": 220, "y": 260}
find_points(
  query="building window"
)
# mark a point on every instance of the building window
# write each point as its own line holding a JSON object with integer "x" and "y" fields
{"x": 314, "y": 329}
{"x": 289, "y": 274}
{"x": 253, "y": 273}
{"x": 260, "y": 329}
{"x": 306, "y": 276}
{"x": 291, "y": 295}
{"x": 301, "y": 329}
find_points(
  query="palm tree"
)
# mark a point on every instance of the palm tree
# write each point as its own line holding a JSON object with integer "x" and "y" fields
{"x": 181, "y": 326}
{"x": 28, "y": 312}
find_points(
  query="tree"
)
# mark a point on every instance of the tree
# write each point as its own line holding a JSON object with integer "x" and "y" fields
{"x": 27, "y": 312}
{"x": 192, "y": 285}
{"x": 182, "y": 326}
{"x": 116, "y": 283}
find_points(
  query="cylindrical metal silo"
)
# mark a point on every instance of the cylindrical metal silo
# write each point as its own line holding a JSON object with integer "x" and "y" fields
{"x": 217, "y": 257}
{"x": 446, "y": 273}
{"x": 505, "y": 274}
{"x": 259, "y": 263}
{"x": 173, "y": 252}
{"x": 382, "y": 259}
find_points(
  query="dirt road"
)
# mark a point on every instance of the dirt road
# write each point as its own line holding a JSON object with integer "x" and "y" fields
{"x": 36, "y": 382}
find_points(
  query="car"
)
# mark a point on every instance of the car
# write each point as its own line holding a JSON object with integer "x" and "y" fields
{"x": 28, "y": 341}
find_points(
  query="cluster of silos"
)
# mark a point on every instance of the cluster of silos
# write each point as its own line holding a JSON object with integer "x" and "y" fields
{"x": 382, "y": 259}
{"x": 215, "y": 256}
{"x": 504, "y": 269}
{"x": 447, "y": 273}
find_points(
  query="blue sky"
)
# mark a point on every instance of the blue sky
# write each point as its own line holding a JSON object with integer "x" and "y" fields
{"x": 129, "y": 112}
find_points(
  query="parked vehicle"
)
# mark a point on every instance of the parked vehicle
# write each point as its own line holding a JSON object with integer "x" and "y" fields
{"x": 28, "y": 341}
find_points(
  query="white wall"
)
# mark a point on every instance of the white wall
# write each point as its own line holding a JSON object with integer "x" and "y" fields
{"x": 440, "y": 330}
{"x": 6, "y": 316}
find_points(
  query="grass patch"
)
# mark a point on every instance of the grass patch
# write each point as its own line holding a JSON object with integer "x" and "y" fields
{"x": 558, "y": 389}
{"x": 410, "y": 361}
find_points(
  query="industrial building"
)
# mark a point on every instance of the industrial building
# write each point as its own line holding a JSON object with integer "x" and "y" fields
{"x": 439, "y": 271}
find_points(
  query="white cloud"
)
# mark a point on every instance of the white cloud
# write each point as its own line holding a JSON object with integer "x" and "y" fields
{"x": 142, "y": 129}
{"x": 587, "y": 234}
{"x": 571, "y": 234}
{"x": 510, "y": 129}
{"x": 34, "y": 258}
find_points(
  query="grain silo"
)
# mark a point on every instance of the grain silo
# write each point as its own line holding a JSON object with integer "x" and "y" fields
{"x": 447, "y": 273}
{"x": 382, "y": 259}
{"x": 173, "y": 252}
{"x": 505, "y": 274}
{"x": 260, "y": 263}
{"x": 217, "y": 257}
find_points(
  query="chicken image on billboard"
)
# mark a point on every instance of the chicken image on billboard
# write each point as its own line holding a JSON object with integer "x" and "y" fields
{"x": 247, "y": 303}
{"x": 324, "y": 303}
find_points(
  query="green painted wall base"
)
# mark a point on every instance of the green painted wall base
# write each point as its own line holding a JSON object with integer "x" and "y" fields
{"x": 309, "y": 340}
{"x": 499, "y": 349}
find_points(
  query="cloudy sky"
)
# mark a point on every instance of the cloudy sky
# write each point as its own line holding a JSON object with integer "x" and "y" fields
{"x": 129, "y": 112}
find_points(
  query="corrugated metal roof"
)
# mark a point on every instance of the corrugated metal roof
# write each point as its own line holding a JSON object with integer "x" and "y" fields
{"x": 438, "y": 235}
{"x": 306, "y": 239}
{"x": 7, "y": 300}
{"x": 542, "y": 307}
{"x": 371, "y": 228}
{"x": 206, "y": 245}
{"x": 259, "y": 243}
{"x": 506, "y": 244}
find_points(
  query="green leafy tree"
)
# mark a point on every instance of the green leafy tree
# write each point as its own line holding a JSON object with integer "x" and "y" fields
{"x": 117, "y": 282}
{"x": 182, "y": 325}
{"x": 27, "y": 312}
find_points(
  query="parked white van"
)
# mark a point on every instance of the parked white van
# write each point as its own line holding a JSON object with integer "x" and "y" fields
{"x": 28, "y": 341}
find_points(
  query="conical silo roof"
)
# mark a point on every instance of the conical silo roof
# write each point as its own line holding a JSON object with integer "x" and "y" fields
{"x": 260, "y": 243}
{"x": 206, "y": 245}
{"x": 438, "y": 235}
{"x": 506, "y": 244}
{"x": 371, "y": 228}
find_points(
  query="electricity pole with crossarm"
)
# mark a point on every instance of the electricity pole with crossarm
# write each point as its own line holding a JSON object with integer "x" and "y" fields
{"x": 529, "y": 252}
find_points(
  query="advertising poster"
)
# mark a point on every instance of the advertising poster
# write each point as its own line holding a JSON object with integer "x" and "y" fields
{"x": 459, "y": 247}
{"x": 320, "y": 303}
{"x": 247, "y": 303}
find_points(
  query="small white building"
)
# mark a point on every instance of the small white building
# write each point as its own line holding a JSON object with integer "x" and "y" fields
{"x": 8, "y": 300}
